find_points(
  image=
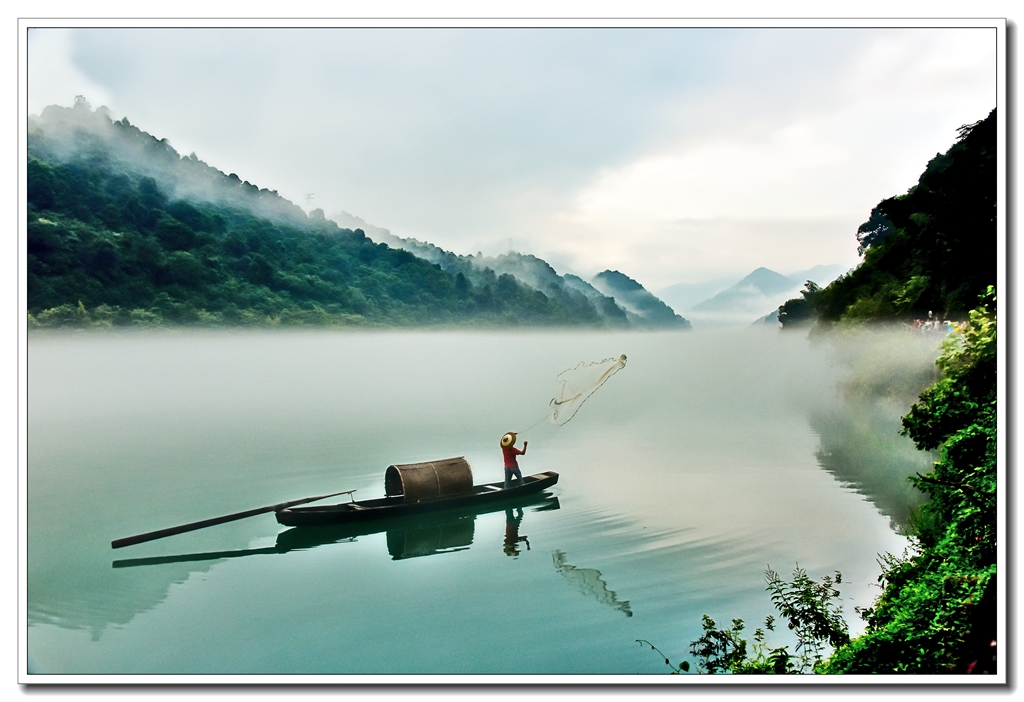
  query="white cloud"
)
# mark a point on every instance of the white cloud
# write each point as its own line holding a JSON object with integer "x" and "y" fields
{"x": 785, "y": 189}
{"x": 662, "y": 253}
{"x": 673, "y": 155}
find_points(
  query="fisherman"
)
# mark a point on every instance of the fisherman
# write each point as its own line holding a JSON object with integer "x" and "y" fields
{"x": 509, "y": 451}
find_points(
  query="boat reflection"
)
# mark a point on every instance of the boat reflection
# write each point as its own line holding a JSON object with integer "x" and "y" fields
{"x": 407, "y": 537}
{"x": 428, "y": 539}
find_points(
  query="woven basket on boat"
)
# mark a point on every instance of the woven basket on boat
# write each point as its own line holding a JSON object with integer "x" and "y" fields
{"x": 419, "y": 481}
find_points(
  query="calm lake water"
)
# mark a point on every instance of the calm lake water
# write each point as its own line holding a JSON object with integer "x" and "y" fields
{"x": 709, "y": 457}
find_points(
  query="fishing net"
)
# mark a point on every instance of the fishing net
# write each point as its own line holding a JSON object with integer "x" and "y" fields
{"x": 577, "y": 384}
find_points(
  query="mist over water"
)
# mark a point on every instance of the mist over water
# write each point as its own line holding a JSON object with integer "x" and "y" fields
{"x": 708, "y": 457}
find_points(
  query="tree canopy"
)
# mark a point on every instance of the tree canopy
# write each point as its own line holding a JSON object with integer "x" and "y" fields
{"x": 932, "y": 249}
{"x": 124, "y": 231}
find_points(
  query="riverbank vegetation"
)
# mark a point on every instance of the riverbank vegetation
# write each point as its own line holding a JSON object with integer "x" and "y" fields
{"x": 937, "y": 611}
{"x": 930, "y": 251}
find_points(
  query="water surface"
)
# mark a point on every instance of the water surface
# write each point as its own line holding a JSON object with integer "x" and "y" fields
{"x": 709, "y": 457}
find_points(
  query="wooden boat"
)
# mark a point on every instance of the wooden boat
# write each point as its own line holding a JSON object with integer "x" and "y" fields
{"x": 399, "y": 530}
{"x": 418, "y": 488}
{"x": 411, "y": 489}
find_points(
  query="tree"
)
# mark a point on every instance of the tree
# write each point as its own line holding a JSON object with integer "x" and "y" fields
{"x": 932, "y": 248}
{"x": 874, "y": 231}
{"x": 800, "y": 311}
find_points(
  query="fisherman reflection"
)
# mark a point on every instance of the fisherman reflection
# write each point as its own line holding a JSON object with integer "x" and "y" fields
{"x": 512, "y": 537}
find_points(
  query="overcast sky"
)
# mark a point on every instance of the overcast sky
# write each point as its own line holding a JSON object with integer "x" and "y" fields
{"x": 672, "y": 155}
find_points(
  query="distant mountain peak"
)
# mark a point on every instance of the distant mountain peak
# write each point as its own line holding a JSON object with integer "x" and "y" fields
{"x": 644, "y": 308}
{"x": 752, "y": 297}
{"x": 765, "y": 281}
{"x": 619, "y": 281}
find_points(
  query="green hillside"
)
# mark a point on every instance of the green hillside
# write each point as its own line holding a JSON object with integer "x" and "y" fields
{"x": 932, "y": 249}
{"x": 638, "y": 302}
{"x": 122, "y": 230}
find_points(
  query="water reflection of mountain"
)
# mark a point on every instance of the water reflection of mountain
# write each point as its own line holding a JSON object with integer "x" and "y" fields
{"x": 72, "y": 586}
{"x": 861, "y": 447}
{"x": 589, "y": 582}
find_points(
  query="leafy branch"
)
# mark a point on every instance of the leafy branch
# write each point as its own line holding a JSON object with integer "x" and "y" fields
{"x": 811, "y": 611}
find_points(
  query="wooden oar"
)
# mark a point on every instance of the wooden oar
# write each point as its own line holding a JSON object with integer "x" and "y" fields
{"x": 171, "y": 531}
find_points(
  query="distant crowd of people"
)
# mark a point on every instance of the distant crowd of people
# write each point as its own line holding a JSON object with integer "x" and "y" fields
{"x": 934, "y": 324}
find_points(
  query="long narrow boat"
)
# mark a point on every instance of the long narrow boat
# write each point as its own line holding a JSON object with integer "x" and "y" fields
{"x": 405, "y": 503}
{"x": 400, "y": 530}
{"x": 410, "y": 489}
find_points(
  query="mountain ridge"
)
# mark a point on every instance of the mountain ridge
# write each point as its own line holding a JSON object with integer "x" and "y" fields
{"x": 124, "y": 231}
{"x": 756, "y": 295}
{"x": 636, "y": 300}
{"x": 623, "y": 302}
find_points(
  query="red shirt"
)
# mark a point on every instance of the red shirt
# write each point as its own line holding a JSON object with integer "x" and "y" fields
{"x": 510, "y": 454}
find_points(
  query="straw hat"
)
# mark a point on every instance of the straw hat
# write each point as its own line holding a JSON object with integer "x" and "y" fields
{"x": 508, "y": 440}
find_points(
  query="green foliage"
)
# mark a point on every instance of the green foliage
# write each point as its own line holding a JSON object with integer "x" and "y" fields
{"x": 933, "y": 248}
{"x": 800, "y": 311}
{"x": 683, "y": 667}
{"x": 810, "y": 610}
{"x": 937, "y": 609}
{"x": 720, "y": 650}
{"x": 725, "y": 651}
{"x": 107, "y": 229}
{"x": 965, "y": 395}
{"x": 874, "y": 231}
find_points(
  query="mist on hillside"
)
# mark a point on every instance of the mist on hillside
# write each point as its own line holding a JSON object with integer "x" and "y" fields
{"x": 620, "y": 300}
{"x": 79, "y": 132}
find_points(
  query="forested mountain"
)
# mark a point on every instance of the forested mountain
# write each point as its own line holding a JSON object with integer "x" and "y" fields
{"x": 637, "y": 301}
{"x": 122, "y": 230}
{"x": 526, "y": 269}
{"x": 932, "y": 249}
{"x": 617, "y": 299}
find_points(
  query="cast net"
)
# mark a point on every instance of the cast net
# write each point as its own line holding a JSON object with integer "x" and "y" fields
{"x": 577, "y": 384}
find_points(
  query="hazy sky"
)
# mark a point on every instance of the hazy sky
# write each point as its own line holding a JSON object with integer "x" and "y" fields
{"x": 673, "y": 155}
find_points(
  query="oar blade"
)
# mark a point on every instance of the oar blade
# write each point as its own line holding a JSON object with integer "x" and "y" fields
{"x": 214, "y": 521}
